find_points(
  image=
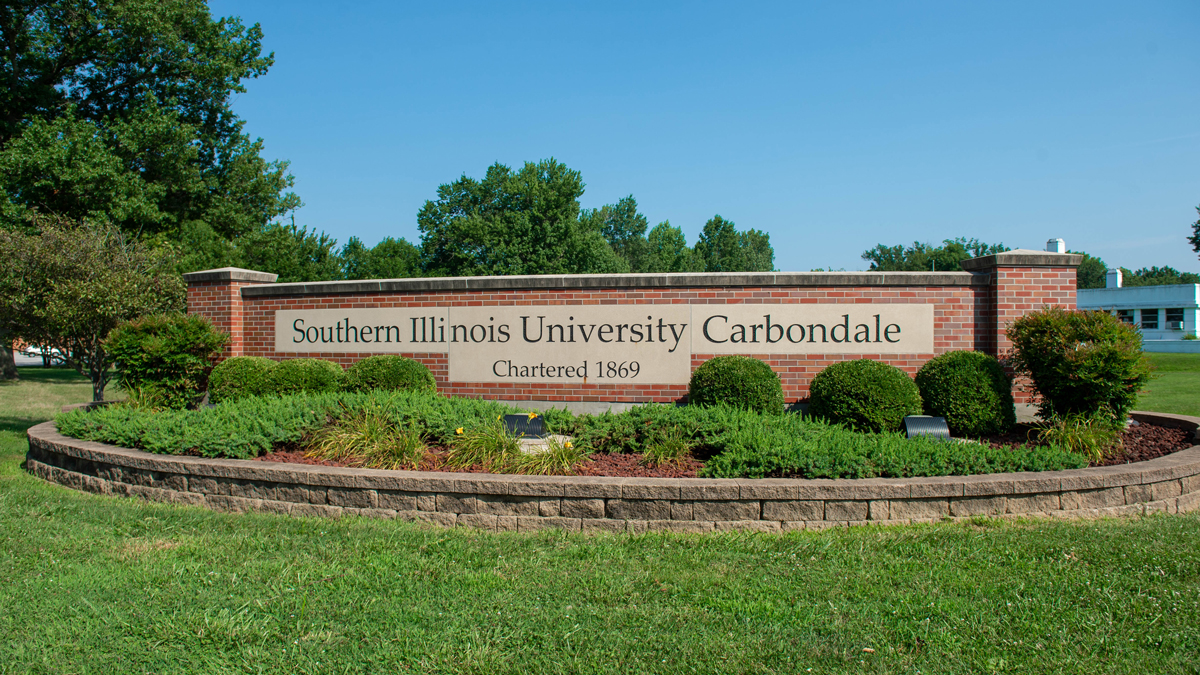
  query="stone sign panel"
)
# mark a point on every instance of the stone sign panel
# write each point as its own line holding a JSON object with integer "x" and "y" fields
{"x": 628, "y": 343}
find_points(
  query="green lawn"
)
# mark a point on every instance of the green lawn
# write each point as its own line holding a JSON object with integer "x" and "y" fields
{"x": 92, "y": 584}
{"x": 1176, "y": 387}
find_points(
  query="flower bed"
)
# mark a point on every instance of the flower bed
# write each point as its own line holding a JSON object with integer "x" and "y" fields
{"x": 731, "y": 443}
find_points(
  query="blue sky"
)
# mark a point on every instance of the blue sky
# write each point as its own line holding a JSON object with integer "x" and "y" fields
{"x": 831, "y": 126}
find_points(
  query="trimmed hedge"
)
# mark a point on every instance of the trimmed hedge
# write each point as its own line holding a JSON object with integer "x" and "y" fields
{"x": 864, "y": 395}
{"x": 737, "y": 381}
{"x": 309, "y": 376}
{"x": 239, "y": 377}
{"x": 166, "y": 357}
{"x": 390, "y": 372}
{"x": 971, "y": 390}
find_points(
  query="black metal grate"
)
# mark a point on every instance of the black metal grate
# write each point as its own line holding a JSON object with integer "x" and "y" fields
{"x": 524, "y": 426}
{"x": 926, "y": 425}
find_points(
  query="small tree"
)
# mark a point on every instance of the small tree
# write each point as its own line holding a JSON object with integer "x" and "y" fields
{"x": 68, "y": 286}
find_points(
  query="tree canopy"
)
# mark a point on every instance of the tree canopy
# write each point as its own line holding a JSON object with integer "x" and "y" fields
{"x": 1195, "y": 238}
{"x": 120, "y": 112}
{"x": 1157, "y": 276}
{"x": 925, "y": 257}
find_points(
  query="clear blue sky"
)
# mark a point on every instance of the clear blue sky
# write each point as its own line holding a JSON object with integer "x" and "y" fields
{"x": 832, "y": 126}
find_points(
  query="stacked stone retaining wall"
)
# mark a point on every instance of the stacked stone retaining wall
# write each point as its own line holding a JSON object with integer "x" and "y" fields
{"x": 523, "y": 503}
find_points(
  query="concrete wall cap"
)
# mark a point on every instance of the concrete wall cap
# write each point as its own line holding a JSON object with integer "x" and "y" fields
{"x": 1022, "y": 257}
{"x": 230, "y": 274}
{"x": 580, "y": 281}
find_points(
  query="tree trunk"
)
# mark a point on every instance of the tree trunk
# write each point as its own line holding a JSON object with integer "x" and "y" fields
{"x": 8, "y": 366}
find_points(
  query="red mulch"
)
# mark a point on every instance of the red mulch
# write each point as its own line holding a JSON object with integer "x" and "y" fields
{"x": 1141, "y": 442}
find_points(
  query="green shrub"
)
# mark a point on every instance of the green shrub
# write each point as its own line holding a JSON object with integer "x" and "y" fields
{"x": 166, "y": 357}
{"x": 739, "y": 443}
{"x": 971, "y": 390}
{"x": 864, "y": 395}
{"x": 369, "y": 438}
{"x": 240, "y": 376}
{"x": 313, "y": 376}
{"x": 390, "y": 372}
{"x": 737, "y": 381}
{"x": 1081, "y": 363}
{"x": 1094, "y": 436}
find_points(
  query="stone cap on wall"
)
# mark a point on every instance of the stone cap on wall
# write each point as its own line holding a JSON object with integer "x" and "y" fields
{"x": 571, "y": 281}
{"x": 230, "y": 274}
{"x": 1023, "y": 257}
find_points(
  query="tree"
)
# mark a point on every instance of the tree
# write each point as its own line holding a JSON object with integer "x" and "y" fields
{"x": 69, "y": 285}
{"x": 1091, "y": 273}
{"x": 389, "y": 259}
{"x": 294, "y": 253}
{"x": 623, "y": 228}
{"x": 1157, "y": 276}
{"x": 513, "y": 222}
{"x": 667, "y": 251}
{"x": 722, "y": 248}
{"x": 119, "y": 111}
{"x": 1195, "y": 238}
{"x": 925, "y": 257}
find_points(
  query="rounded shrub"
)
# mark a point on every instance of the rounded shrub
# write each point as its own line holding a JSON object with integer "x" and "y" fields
{"x": 1081, "y": 363}
{"x": 239, "y": 377}
{"x": 971, "y": 390}
{"x": 864, "y": 395}
{"x": 166, "y": 357}
{"x": 295, "y": 376}
{"x": 391, "y": 372}
{"x": 739, "y": 381}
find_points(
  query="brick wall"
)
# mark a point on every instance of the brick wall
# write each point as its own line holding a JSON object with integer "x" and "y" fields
{"x": 971, "y": 311}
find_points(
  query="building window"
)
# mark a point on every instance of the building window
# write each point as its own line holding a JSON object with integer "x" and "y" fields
{"x": 1150, "y": 319}
{"x": 1125, "y": 315}
{"x": 1175, "y": 319}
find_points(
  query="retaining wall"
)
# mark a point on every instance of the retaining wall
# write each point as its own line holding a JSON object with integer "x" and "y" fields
{"x": 523, "y": 503}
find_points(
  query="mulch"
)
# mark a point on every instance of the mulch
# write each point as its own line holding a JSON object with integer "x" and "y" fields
{"x": 1140, "y": 442}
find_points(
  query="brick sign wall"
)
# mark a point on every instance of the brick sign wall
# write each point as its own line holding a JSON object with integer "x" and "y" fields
{"x": 632, "y": 338}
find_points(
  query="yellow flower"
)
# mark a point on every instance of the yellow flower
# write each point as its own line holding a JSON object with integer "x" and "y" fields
{"x": 568, "y": 445}
{"x": 499, "y": 416}
{"x": 458, "y": 431}
{"x": 532, "y": 415}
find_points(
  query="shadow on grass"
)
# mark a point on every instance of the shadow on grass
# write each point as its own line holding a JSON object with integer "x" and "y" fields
{"x": 19, "y": 425}
{"x": 45, "y": 376}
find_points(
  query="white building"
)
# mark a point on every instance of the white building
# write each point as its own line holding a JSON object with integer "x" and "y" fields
{"x": 1164, "y": 313}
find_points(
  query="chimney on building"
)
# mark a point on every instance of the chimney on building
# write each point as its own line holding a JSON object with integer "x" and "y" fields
{"x": 1056, "y": 246}
{"x": 1112, "y": 279}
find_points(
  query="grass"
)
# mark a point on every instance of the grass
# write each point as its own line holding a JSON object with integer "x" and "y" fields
{"x": 1176, "y": 389}
{"x": 92, "y": 584}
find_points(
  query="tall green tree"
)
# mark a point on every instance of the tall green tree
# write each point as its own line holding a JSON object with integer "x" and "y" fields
{"x": 119, "y": 111}
{"x": 389, "y": 259}
{"x": 667, "y": 251}
{"x": 1091, "y": 273}
{"x": 623, "y": 228}
{"x": 722, "y": 248}
{"x": 513, "y": 222}
{"x": 1195, "y": 238}
{"x": 294, "y": 253}
{"x": 925, "y": 257}
{"x": 1157, "y": 276}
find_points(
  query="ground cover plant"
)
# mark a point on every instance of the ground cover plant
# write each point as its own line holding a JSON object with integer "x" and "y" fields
{"x": 735, "y": 442}
{"x": 92, "y": 584}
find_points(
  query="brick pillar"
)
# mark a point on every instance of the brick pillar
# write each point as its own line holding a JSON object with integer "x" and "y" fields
{"x": 1023, "y": 281}
{"x": 217, "y": 294}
